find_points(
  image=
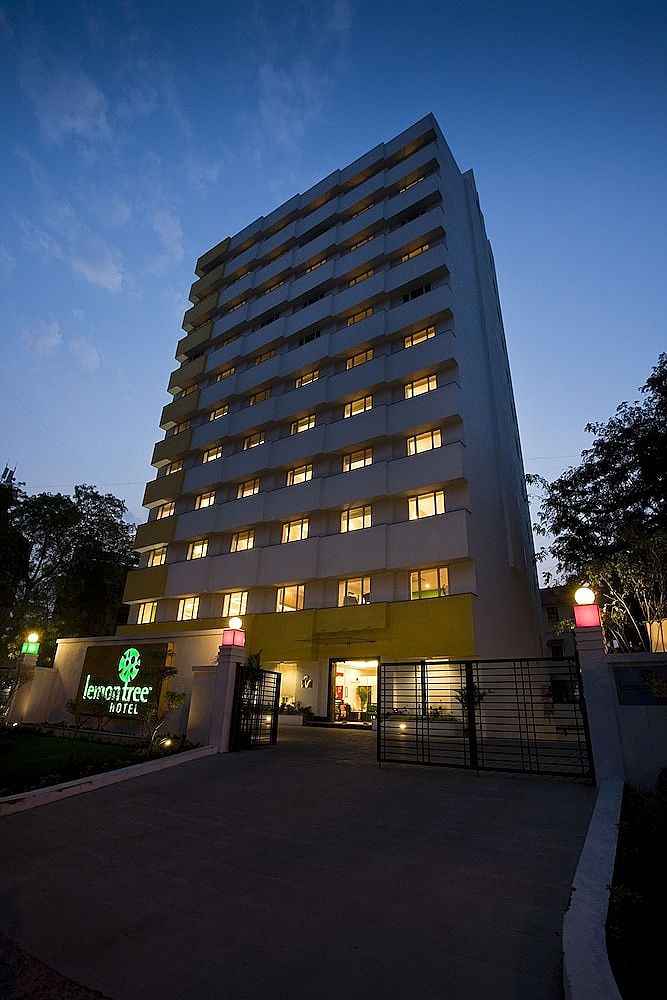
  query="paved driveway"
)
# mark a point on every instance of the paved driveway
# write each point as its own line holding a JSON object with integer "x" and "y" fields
{"x": 301, "y": 871}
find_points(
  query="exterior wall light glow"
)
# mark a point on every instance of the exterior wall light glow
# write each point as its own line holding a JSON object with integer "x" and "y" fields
{"x": 33, "y": 637}
{"x": 584, "y": 595}
{"x": 235, "y": 622}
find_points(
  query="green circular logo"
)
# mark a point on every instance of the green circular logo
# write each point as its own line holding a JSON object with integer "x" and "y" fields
{"x": 128, "y": 665}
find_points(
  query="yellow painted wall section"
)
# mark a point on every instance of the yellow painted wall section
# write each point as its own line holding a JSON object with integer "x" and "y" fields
{"x": 164, "y": 488}
{"x": 178, "y": 444}
{"x": 193, "y": 340}
{"x": 155, "y": 533}
{"x": 179, "y": 409}
{"x": 209, "y": 282}
{"x": 144, "y": 584}
{"x": 201, "y": 312}
{"x": 186, "y": 374}
{"x": 207, "y": 260}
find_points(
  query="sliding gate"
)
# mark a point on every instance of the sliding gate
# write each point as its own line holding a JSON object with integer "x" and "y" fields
{"x": 504, "y": 715}
{"x": 255, "y": 708}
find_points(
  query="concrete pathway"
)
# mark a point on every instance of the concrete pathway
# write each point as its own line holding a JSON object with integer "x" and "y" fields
{"x": 296, "y": 872}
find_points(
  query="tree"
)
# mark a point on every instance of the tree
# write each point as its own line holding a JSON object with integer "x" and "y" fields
{"x": 608, "y": 515}
{"x": 63, "y": 564}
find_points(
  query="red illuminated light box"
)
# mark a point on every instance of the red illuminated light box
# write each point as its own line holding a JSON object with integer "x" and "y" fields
{"x": 587, "y": 616}
{"x": 233, "y": 637}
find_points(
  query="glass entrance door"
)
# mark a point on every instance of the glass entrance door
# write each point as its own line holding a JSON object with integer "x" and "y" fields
{"x": 353, "y": 695}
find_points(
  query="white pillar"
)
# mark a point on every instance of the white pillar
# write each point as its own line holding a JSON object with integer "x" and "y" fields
{"x": 600, "y": 698}
{"x": 229, "y": 657}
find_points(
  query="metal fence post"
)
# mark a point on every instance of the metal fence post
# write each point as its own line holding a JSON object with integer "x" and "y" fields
{"x": 471, "y": 714}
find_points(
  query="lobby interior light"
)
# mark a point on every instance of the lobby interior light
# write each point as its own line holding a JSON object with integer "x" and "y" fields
{"x": 584, "y": 595}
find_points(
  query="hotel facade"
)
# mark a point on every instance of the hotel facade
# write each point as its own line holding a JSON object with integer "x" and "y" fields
{"x": 340, "y": 465}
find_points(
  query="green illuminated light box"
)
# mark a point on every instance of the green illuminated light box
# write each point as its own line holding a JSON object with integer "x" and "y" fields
{"x": 30, "y": 647}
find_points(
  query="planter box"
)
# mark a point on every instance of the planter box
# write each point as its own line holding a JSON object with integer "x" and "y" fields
{"x": 289, "y": 720}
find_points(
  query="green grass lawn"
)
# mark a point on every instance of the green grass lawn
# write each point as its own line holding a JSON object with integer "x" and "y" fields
{"x": 28, "y": 759}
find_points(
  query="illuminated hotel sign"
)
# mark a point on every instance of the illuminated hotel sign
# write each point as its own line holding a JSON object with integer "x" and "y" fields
{"x": 122, "y": 681}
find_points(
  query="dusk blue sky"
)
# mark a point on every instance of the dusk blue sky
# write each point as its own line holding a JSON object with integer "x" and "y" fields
{"x": 137, "y": 135}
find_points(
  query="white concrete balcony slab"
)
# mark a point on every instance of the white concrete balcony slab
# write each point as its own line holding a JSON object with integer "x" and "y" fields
{"x": 292, "y": 562}
{"x": 432, "y": 223}
{"x": 429, "y": 541}
{"x": 284, "y": 236}
{"x": 426, "y": 158}
{"x": 305, "y": 284}
{"x": 417, "y": 271}
{"x": 405, "y": 202}
{"x": 293, "y": 501}
{"x": 320, "y": 245}
{"x": 252, "y": 377}
{"x": 353, "y": 433}
{"x": 317, "y": 313}
{"x": 410, "y": 415}
{"x": 422, "y": 311}
{"x": 241, "y": 287}
{"x": 313, "y": 220}
{"x": 370, "y": 219}
{"x": 353, "y": 299}
{"x": 436, "y": 467}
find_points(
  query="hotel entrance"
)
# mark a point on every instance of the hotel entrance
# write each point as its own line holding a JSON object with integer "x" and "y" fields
{"x": 353, "y": 692}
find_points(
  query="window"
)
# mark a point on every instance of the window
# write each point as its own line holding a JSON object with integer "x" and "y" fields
{"x": 318, "y": 263}
{"x": 147, "y": 613}
{"x": 237, "y": 305}
{"x": 187, "y": 392}
{"x": 211, "y": 454}
{"x": 290, "y": 598}
{"x": 359, "y": 359}
{"x": 173, "y": 467}
{"x": 552, "y": 614}
{"x": 309, "y": 337}
{"x": 360, "y": 243}
{"x": 165, "y": 510}
{"x": 358, "y": 278}
{"x": 411, "y": 184}
{"x": 157, "y": 557}
{"x": 302, "y": 474}
{"x": 265, "y": 322}
{"x": 355, "y": 591}
{"x": 357, "y": 406}
{"x": 247, "y": 489}
{"x": 253, "y": 440}
{"x": 204, "y": 500}
{"x": 225, "y": 374}
{"x": 357, "y": 318}
{"x": 414, "y": 253}
{"x": 420, "y": 336}
{"x": 357, "y": 459}
{"x": 258, "y": 397}
{"x": 307, "y": 378}
{"x": 426, "y": 505}
{"x": 242, "y": 540}
{"x": 424, "y": 442}
{"x": 197, "y": 550}
{"x": 183, "y": 426}
{"x": 234, "y": 604}
{"x": 416, "y": 292}
{"x": 261, "y": 358}
{"x": 429, "y": 583}
{"x": 420, "y": 386}
{"x": 188, "y": 609}
{"x": 296, "y": 531}
{"x": 273, "y": 287}
{"x": 303, "y": 424}
{"x": 355, "y": 518}
{"x": 220, "y": 411}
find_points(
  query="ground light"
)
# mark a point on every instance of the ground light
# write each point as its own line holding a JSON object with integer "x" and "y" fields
{"x": 586, "y": 611}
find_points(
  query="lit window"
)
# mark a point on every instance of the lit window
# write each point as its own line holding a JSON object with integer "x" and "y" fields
{"x": 173, "y": 467}
{"x": 183, "y": 426}
{"x": 354, "y": 591}
{"x": 188, "y": 609}
{"x": 147, "y": 613}
{"x": 424, "y": 442}
{"x": 258, "y": 397}
{"x": 242, "y": 540}
{"x": 253, "y": 440}
{"x": 429, "y": 583}
{"x": 414, "y": 253}
{"x": 261, "y": 358}
{"x": 360, "y": 277}
{"x": 357, "y": 317}
{"x": 296, "y": 531}
{"x": 290, "y": 598}
{"x": 273, "y": 287}
{"x": 420, "y": 386}
{"x": 358, "y": 406}
{"x": 357, "y": 459}
{"x": 220, "y": 411}
{"x": 204, "y": 500}
{"x": 211, "y": 454}
{"x": 355, "y": 518}
{"x": 307, "y": 378}
{"x": 318, "y": 263}
{"x": 247, "y": 489}
{"x": 237, "y": 305}
{"x": 426, "y": 505}
{"x": 157, "y": 557}
{"x": 406, "y": 187}
{"x": 302, "y": 474}
{"x": 187, "y": 392}
{"x": 359, "y": 359}
{"x": 360, "y": 243}
{"x": 197, "y": 550}
{"x": 225, "y": 374}
{"x": 165, "y": 510}
{"x": 303, "y": 424}
{"x": 234, "y": 604}
{"x": 420, "y": 336}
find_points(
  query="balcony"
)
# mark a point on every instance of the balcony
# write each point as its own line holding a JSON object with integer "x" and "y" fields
{"x": 187, "y": 374}
{"x": 176, "y": 411}
{"x": 212, "y": 257}
{"x": 164, "y": 488}
{"x": 201, "y": 312}
{"x": 145, "y": 584}
{"x": 155, "y": 533}
{"x": 192, "y": 341}
{"x": 172, "y": 447}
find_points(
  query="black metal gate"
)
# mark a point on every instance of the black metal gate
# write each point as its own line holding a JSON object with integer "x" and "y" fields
{"x": 503, "y": 715}
{"x": 255, "y": 709}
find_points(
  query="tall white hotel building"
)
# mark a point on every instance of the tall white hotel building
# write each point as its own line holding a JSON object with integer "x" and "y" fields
{"x": 341, "y": 464}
